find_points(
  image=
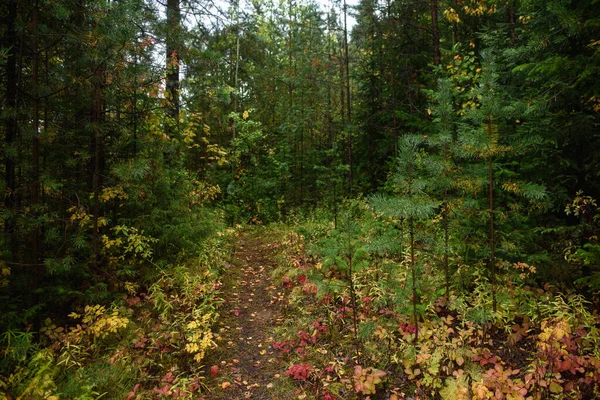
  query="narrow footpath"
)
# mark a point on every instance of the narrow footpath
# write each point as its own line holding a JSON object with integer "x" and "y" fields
{"x": 244, "y": 366}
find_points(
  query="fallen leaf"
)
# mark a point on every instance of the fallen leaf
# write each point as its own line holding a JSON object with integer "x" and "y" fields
{"x": 225, "y": 385}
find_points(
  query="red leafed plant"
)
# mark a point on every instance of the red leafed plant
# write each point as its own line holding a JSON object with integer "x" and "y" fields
{"x": 300, "y": 372}
{"x": 328, "y": 396}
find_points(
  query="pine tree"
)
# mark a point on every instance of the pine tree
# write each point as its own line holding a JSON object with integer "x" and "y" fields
{"x": 442, "y": 167}
{"x": 408, "y": 201}
{"x": 481, "y": 138}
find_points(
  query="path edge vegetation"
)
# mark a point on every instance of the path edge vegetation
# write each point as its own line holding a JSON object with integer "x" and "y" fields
{"x": 351, "y": 331}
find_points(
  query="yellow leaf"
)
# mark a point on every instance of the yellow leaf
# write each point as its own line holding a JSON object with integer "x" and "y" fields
{"x": 225, "y": 385}
{"x": 555, "y": 388}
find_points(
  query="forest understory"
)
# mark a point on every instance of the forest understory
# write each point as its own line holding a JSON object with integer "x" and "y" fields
{"x": 284, "y": 317}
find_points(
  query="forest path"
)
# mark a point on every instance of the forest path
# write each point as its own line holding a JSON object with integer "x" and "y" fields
{"x": 247, "y": 365}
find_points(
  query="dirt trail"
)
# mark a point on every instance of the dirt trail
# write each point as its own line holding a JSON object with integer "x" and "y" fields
{"x": 247, "y": 365}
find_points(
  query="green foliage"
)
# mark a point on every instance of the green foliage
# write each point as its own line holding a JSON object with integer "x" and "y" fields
{"x": 484, "y": 167}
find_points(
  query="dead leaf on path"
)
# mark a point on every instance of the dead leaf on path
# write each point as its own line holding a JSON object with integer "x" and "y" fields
{"x": 225, "y": 385}
{"x": 269, "y": 385}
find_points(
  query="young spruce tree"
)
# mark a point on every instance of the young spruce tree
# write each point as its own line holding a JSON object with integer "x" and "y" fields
{"x": 482, "y": 138}
{"x": 408, "y": 201}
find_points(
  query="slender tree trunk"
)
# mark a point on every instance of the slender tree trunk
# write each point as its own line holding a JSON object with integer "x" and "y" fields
{"x": 342, "y": 107}
{"x": 446, "y": 249}
{"x": 393, "y": 85}
{"x": 445, "y": 205}
{"x": 291, "y": 141}
{"x": 353, "y": 298}
{"x": 35, "y": 254}
{"x": 301, "y": 145}
{"x": 512, "y": 10}
{"x": 10, "y": 123}
{"x": 394, "y": 117}
{"x": 436, "y": 33}
{"x": 491, "y": 210}
{"x": 413, "y": 267}
{"x": 454, "y": 24}
{"x": 96, "y": 114}
{"x": 134, "y": 100}
{"x": 342, "y": 93}
{"x": 446, "y": 223}
{"x": 96, "y": 117}
{"x": 235, "y": 103}
{"x": 173, "y": 55}
{"x": 413, "y": 261}
{"x": 348, "y": 104}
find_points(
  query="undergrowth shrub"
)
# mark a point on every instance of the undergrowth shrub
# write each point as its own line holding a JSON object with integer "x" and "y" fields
{"x": 539, "y": 342}
{"x": 149, "y": 342}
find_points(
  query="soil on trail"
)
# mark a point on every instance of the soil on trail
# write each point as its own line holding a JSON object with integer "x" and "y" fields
{"x": 244, "y": 366}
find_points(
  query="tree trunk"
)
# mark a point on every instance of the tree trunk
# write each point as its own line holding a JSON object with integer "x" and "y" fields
{"x": 10, "y": 123}
{"x": 455, "y": 24}
{"x": 436, "y": 33}
{"x": 512, "y": 10}
{"x": 35, "y": 250}
{"x": 96, "y": 119}
{"x": 413, "y": 267}
{"x": 491, "y": 211}
{"x": 173, "y": 55}
{"x": 348, "y": 105}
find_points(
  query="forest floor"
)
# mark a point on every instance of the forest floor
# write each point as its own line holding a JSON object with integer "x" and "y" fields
{"x": 244, "y": 366}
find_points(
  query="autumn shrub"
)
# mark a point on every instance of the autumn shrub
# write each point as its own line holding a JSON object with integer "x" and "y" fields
{"x": 68, "y": 365}
{"x": 465, "y": 350}
{"x": 150, "y": 331}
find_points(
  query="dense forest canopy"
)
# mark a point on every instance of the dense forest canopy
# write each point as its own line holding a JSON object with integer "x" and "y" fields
{"x": 458, "y": 139}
